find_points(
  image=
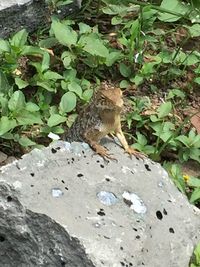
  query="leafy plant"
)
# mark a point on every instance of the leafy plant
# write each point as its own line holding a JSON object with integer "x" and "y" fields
{"x": 196, "y": 257}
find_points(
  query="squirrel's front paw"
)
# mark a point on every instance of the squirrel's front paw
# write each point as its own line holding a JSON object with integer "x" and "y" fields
{"x": 131, "y": 151}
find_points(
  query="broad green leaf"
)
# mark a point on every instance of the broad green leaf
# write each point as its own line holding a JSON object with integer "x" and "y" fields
{"x": 68, "y": 102}
{"x": 176, "y": 92}
{"x": 4, "y": 105}
{"x": 115, "y": 9}
{"x": 4, "y": 46}
{"x": 112, "y": 58}
{"x": 183, "y": 139}
{"x": 197, "y": 80}
{"x": 116, "y": 20}
{"x": 45, "y": 62}
{"x": 191, "y": 60}
{"x": 25, "y": 141}
{"x": 194, "y": 30}
{"x": 87, "y": 94}
{"x": 172, "y": 5}
{"x": 197, "y": 253}
{"x": 75, "y": 87}
{"x": 193, "y": 182}
{"x": 32, "y": 50}
{"x": 51, "y": 75}
{"x": 96, "y": 48}
{"x": 46, "y": 85}
{"x": 84, "y": 28}
{"x": 48, "y": 42}
{"x": 19, "y": 39}
{"x": 164, "y": 109}
{"x": 141, "y": 139}
{"x": 17, "y": 101}
{"x": 137, "y": 79}
{"x": 4, "y": 85}
{"x": 124, "y": 84}
{"x": 32, "y": 107}
{"x": 195, "y": 195}
{"x": 64, "y": 34}
{"x": 6, "y": 124}
{"x": 194, "y": 153}
{"x": 29, "y": 118}
{"x": 21, "y": 83}
{"x": 124, "y": 70}
{"x": 55, "y": 119}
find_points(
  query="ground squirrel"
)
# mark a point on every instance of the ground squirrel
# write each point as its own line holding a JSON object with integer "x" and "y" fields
{"x": 99, "y": 118}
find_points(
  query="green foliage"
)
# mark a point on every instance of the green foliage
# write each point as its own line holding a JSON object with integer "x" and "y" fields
{"x": 43, "y": 82}
{"x": 196, "y": 257}
{"x": 188, "y": 185}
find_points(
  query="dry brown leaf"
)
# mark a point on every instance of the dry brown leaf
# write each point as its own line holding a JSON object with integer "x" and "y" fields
{"x": 195, "y": 120}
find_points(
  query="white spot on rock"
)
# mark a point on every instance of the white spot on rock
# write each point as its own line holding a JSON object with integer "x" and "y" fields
{"x": 56, "y": 192}
{"x": 136, "y": 203}
{"x": 107, "y": 198}
{"x": 53, "y": 136}
{"x": 17, "y": 184}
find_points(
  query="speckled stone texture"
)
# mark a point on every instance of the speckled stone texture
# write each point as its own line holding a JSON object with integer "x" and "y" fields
{"x": 121, "y": 213}
{"x": 29, "y": 14}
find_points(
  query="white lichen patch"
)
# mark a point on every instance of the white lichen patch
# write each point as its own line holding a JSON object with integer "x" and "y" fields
{"x": 136, "y": 203}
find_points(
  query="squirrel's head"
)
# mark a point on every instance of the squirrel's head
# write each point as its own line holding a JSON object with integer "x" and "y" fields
{"x": 110, "y": 96}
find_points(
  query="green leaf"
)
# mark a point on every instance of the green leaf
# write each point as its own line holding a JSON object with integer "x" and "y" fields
{"x": 172, "y": 5}
{"x": 96, "y": 47}
{"x": 124, "y": 84}
{"x": 4, "y": 85}
{"x": 195, "y": 195}
{"x": 48, "y": 42}
{"x": 141, "y": 139}
{"x": 114, "y": 9}
{"x": 21, "y": 83}
{"x": 4, "y": 46}
{"x": 124, "y": 70}
{"x": 137, "y": 79}
{"x": 112, "y": 58}
{"x": 17, "y": 101}
{"x": 183, "y": 139}
{"x": 29, "y": 118}
{"x": 84, "y": 28}
{"x": 51, "y": 75}
{"x": 197, "y": 80}
{"x": 19, "y": 39}
{"x": 164, "y": 109}
{"x": 64, "y": 33}
{"x": 193, "y": 182}
{"x": 197, "y": 254}
{"x": 55, "y": 119}
{"x": 45, "y": 62}
{"x": 194, "y": 30}
{"x": 116, "y": 20}
{"x": 46, "y": 85}
{"x": 87, "y": 94}
{"x": 6, "y": 124}
{"x": 25, "y": 142}
{"x": 75, "y": 87}
{"x": 176, "y": 92}
{"x": 195, "y": 154}
{"x": 68, "y": 102}
{"x": 32, "y": 107}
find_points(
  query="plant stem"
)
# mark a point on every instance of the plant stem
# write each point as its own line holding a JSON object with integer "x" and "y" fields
{"x": 157, "y": 8}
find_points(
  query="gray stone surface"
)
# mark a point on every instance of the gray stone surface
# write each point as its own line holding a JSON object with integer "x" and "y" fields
{"x": 29, "y": 14}
{"x": 32, "y": 239}
{"x": 63, "y": 186}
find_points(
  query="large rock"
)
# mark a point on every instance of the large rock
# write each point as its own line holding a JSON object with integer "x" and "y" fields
{"x": 29, "y": 14}
{"x": 69, "y": 206}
